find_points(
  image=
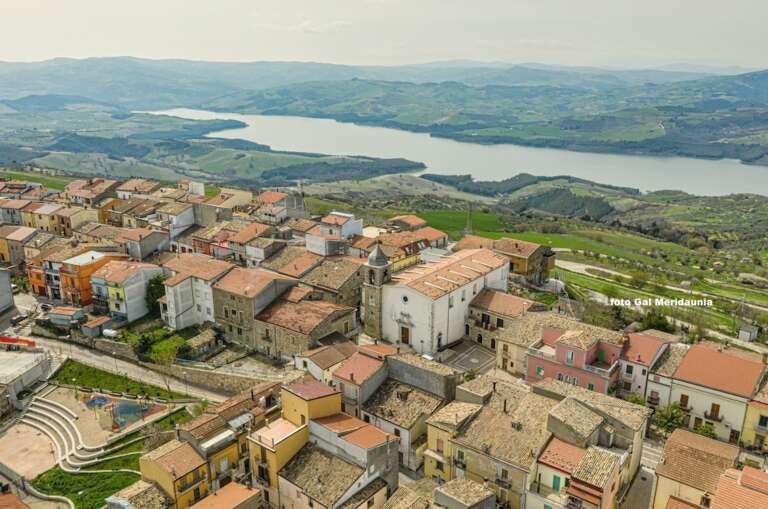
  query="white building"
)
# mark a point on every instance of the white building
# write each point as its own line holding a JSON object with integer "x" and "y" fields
{"x": 176, "y": 217}
{"x": 641, "y": 351}
{"x": 188, "y": 297}
{"x": 426, "y": 306}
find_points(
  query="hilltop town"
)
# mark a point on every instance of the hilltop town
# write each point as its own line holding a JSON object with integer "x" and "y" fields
{"x": 178, "y": 346}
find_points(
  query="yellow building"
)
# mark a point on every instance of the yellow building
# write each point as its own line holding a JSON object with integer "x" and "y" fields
{"x": 442, "y": 427}
{"x": 273, "y": 446}
{"x": 178, "y": 470}
{"x": 754, "y": 433}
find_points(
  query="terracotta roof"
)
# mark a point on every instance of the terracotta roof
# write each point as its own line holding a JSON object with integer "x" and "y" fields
{"x": 325, "y": 356}
{"x": 18, "y": 233}
{"x": 642, "y": 349}
{"x": 247, "y": 283}
{"x": 747, "y": 489}
{"x": 303, "y": 316}
{"x": 670, "y": 359}
{"x": 677, "y": 503}
{"x": 300, "y": 224}
{"x": 203, "y": 425}
{"x": 251, "y": 231}
{"x": 14, "y": 204}
{"x": 176, "y": 458}
{"x": 409, "y": 219}
{"x": 100, "y": 320}
{"x": 453, "y": 415}
{"x": 722, "y": 371}
{"x": 321, "y": 475}
{"x": 117, "y": 271}
{"x": 231, "y": 496}
{"x": 294, "y": 261}
{"x": 561, "y": 455}
{"x": 379, "y": 350}
{"x": 415, "y": 495}
{"x": 331, "y": 274}
{"x": 503, "y": 245}
{"x": 361, "y": 242}
{"x": 436, "y": 279}
{"x": 466, "y": 491}
{"x": 695, "y": 460}
{"x": 402, "y": 239}
{"x": 341, "y": 423}
{"x": 401, "y": 404}
{"x": 596, "y": 467}
{"x": 138, "y": 185}
{"x": 271, "y": 197}
{"x": 358, "y": 368}
{"x": 68, "y": 211}
{"x": 369, "y": 436}
{"x": 198, "y": 265}
{"x": 308, "y": 388}
{"x": 64, "y": 310}
{"x": 136, "y": 234}
{"x": 296, "y": 294}
{"x": 549, "y": 328}
{"x": 431, "y": 234}
{"x": 336, "y": 218}
{"x": 501, "y": 303}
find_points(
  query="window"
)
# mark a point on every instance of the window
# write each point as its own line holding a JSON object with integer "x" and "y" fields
{"x": 683, "y": 401}
{"x": 370, "y": 503}
{"x": 591, "y": 387}
{"x": 439, "y": 445}
{"x": 499, "y": 323}
{"x": 540, "y": 371}
{"x": 305, "y": 364}
{"x": 763, "y": 421}
{"x": 463, "y": 296}
{"x": 627, "y": 386}
{"x": 705, "y": 501}
{"x": 630, "y": 369}
{"x": 570, "y": 355}
{"x": 450, "y": 301}
{"x": 504, "y": 473}
{"x": 397, "y": 432}
{"x": 714, "y": 411}
{"x": 439, "y": 466}
{"x": 226, "y": 313}
{"x": 239, "y": 331}
{"x": 460, "y": 455}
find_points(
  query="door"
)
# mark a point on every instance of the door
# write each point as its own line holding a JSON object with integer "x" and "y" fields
{"x": 405, "y": 335}
{"x": 555, "y": 483}
{"x": 601, "y": 355}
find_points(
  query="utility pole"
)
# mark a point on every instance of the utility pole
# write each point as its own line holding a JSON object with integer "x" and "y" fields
{"x": 468, "y": 227}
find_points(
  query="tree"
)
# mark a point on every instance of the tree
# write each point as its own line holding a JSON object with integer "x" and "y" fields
{"x": 165, "y": 358}
{"x": 635, "y": 398}
{"x": 706, "y": 429}
{"x": 639, "y": 278}
{"x": 155, "y": 290}
{"x": 669, "y": 418}
{"x": 654, "y": 319}
{"x": 470, "y": 375}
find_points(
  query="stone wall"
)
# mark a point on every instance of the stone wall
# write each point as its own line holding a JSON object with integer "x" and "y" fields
{"x": 116, "y": 348}
{"x": 228, "y": 383}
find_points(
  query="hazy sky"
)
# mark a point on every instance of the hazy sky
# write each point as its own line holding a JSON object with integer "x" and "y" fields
{"x": 629, "y": 33}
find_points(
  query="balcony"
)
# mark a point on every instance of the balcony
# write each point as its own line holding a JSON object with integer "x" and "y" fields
{"x": 186, "y": 486}
{"x": 462, "y": 464}
{"x": 503, "y": 483}
{"x": 485, "y": 325}
{"x": 598, "y": 368}
{"x": 713, "y": 417}
{"x": 761, "y": 429}
{"x": 653, "y": 400}
{"x": 543, "y": 354}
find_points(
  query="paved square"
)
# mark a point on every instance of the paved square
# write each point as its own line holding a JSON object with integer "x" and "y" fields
{"x": 27, "y": 451}
{"x": 468, "y": 355}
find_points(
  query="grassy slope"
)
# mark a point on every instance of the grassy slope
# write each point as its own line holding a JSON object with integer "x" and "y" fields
{"x": 73, "y": 372}
{"x": 52, "y": 182}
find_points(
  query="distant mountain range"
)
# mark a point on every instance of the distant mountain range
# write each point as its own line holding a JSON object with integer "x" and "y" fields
{"x": 141, "y": 83}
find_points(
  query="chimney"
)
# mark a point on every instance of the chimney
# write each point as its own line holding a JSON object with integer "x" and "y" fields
{"x": 352, "y": 376}
{"x": 505, "y": 405}
{"x": 494, "y": 389}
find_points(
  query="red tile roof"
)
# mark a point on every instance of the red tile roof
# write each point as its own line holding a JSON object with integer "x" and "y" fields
{"x": 197, "y": 265}
{"x": 431, "y": 234}
{"x": 410, "y": 220}
{"x": 250, "y": 232}
{"x": 561, "y": 455}
{"x": 309, "y": 388}
{"x": 335, "y": 219}
{"x": 247, "y": 282}
{"x": 341, "y": 423}
{"x": 747, "y": 489}
{"x": 358, "y": 368}
{"x": 369, "y": 436}
{"x": 231, "y": 496}
{"x": 642, "y": 349}
{"x": 303, "y": 316}
{"x": 271, "y": 197}
{"x": 676, "y": 503}
{"x": 501, "y": 303}
{"x": 720, "y": 370}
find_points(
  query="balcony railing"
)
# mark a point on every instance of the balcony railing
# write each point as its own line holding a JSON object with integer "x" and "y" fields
{"x": 462, "y": 464}
{"x": 713, "y": 417}
{"x": 503, "y": 483}
{"x": 604, "y": 372}
{"x": 485, "y": 325}
{"x": 761, "y": 429}
{"x": 185, "y": 486}
{"x": 538, "y": 353}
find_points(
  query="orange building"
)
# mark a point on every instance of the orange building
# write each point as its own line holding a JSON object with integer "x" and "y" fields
{"x": 76, "y": 275}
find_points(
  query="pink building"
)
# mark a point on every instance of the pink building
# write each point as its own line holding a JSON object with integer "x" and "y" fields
{"x": 577, "y": 353}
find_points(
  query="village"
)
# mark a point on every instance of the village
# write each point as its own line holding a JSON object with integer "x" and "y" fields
{"x": 169, "y": 347}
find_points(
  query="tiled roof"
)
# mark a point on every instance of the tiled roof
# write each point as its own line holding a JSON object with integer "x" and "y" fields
{"x": 340, "y": 423}
{"x": 356, "y": 500}
{"x": 174, "y": 208}
{"x": 577, "y": 416}
{"x": 251, "y": 231}
{"x": 321, "y": 475}
{"x": 336, "y": 218}
{"x": 308, "y": 388}
{"x": 642, "y": 349}
{"x": 203, "y": 425}
{"x": 303, "y": 316}
{"x": 454, "y": 414}
{"x": 415, "y": 495}
{"x": 503, "y": 245}
{"x": 232, "y": 496}
{"x": 531, "y": 327}
{"x": 136, "y": 234}
{"x": 369, "y": 436}
{"x": 409, "y": 219}
{"x": 331, "y": 274}
{"x": 468, "y": 492}
{"x": 142, "y": 495}
{"x": 596, "y": 467}
{"x": 271, "y": 197}
{"x": 436, "y": 279}
{"x": 378, "y": 350}
{"x": 247, "y": 283}
{"x": 14, "y": 204}
{"x": 677, "y": 503}
{"x": 401, "y": 404}
{"x": 358, "y": 368}
{"x": 720, "y": 370}
{"x": 300, "y": 224}
{"x": 561, "y": 455}
{"x": 670, "y": 359}
{"x": 64, "y": 310}
{"x": 420, "y": 362}
{"x": 117, "y": 271}
{"x": 695, "y": 460}
{"x": 138, "y": 185}
{"x": 746, "y": 489}
{"x": 19, "y": 233}
{"x": 294, "y": 261}
{"x": 325, "y": 356}
{"x": 501, "y": 303}
{"x": 431, "y": 234}
{"x": 197, "y": 265}
{"x": 176, "y": 458}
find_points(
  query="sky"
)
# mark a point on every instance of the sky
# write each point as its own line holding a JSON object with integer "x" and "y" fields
{"x": 615, "y": 33}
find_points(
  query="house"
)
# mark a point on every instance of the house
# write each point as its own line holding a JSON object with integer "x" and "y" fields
{"x": 213, "y": 240}
{"x": 532, "y": 262}
{"x": 659, "y": 385}
{"x": 139, "y": 495}
{"x": 238, "y": 243}
{"x": 141, "y": 243}
{"x": 76, "y": 272}
{"x": 34, "y": 246}
{"x": 748, "y": 332}
{"x": 289, "y": 326}
{"x": 640, "y": 353}
{"x": 259, "y": 249}
{"x": 91, "y": 191}
{"x": 275, "y": 444}
{"x": 65, "y": 316}
{"x": 66, "y": 219}
{"x": 175, "y": 217}
{"x": 189, "y": 291}
{"x": 240, "y": 295}
{"x": 120, "y": 287}
{"x": 43, "y": 270}
{"x": 425, "y": 307}
{"x": 330, "y": 236}
{"x": 6, "y": 290}
{"x": 754, "y": 434}
{"x": 690, "y": 469}
{"x": 292, "y": 261}
{"x": 741, "y": 489}
{"x": 357, "y": 378}
{"x": 322, "y": 361}
{"x": 178, "y": 470}
{"x": 126, "y": 190}
{"x": 10, "y": 211}
{"x": 407, "y": 222}
{"x": 336, "y": 280}
{"x": 491, "y": 314}
{"x": 41, "y": 216}
{"x": 442, "y": 427}
{"x": 12, "y": 241}
{"x": 455, "y": 494}
{"x": 713, "y": 385}
{"x": 576, "y": 353}
{"x": 402, "y": 410}
{"x": 298, "y": 227}
{"x": 230, "y": 198}
{"x": 16, "y": 188}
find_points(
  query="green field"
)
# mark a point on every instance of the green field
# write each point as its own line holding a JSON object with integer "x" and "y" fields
{"x": 75, "y": 373}
{"x": 453, "y": 222}
{"x": 56, "y": 183}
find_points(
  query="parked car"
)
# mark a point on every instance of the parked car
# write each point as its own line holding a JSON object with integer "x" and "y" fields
{"x": 14, "y": 288}
{"x": 18, "y": 319}
{"x": 45, "y": 307}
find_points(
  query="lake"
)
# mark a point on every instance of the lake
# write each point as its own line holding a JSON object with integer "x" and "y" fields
{"x": 491, "y": 162}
